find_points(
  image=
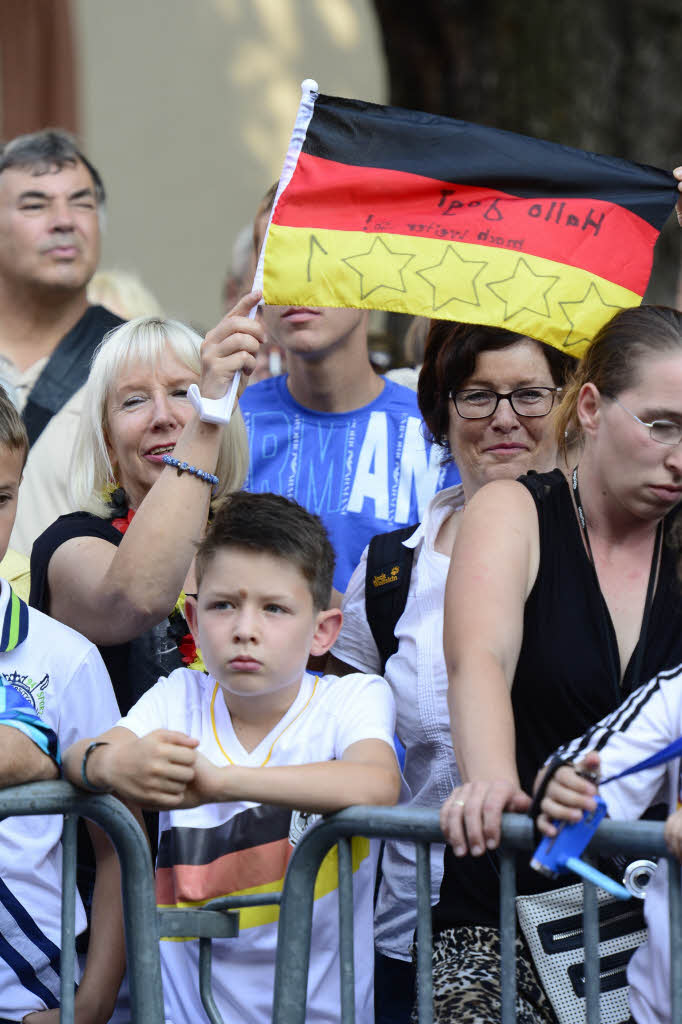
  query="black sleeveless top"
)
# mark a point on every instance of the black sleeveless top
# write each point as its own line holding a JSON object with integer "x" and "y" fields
{"x": 564, "y": 677}
{"x": 135, "y": 666}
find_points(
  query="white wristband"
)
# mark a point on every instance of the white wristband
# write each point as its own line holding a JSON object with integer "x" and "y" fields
{"x": 214, "y": 410}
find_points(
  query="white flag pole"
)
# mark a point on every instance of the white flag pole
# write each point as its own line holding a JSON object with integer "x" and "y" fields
{"x": 309, "y": 91}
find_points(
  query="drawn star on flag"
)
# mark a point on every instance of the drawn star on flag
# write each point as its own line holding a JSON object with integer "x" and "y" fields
{"x": 453, "y": 279}
{"x": 379, "y": 267}
{"x": 524, "y": 290}
{"x": 591, "y": 305}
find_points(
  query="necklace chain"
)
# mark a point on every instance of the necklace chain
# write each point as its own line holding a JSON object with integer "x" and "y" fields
{"x": 648, "y": 602}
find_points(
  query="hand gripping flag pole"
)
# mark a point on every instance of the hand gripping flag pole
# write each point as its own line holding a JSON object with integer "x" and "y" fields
{"x": 309, "y": 91}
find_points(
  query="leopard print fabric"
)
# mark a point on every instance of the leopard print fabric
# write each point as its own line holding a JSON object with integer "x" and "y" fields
{"x": 466, "y": 980}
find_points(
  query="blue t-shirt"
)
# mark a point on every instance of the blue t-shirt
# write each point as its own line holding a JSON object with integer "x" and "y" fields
{"x": 363, "y": 472}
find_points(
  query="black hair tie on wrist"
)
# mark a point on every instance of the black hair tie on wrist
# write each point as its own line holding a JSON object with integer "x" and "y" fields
{"x": 553, "y": 767}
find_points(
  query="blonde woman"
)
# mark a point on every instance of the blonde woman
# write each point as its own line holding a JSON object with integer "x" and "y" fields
{"x": 116, "y": 570}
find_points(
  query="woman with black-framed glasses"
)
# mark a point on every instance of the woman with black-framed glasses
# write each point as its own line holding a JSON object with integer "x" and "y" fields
{"x": 479, "y": 403}
{"x": 562, "y": 597}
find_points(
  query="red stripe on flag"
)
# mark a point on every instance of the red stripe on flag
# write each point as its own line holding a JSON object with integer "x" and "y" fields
{"x": 598, "y": 236}
{"x": 243, "y": 869}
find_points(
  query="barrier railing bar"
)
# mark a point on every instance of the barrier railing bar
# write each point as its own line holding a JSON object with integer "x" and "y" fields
{"x": 296, "y": 901}
{"x": 424, "y": 935}
{"x": 196, "y": 923}
{"x": 591, "y": 952}
{"x": 67, "y": 957}
{"x": 139, "y": 904}
{"x": 346, "y": 959}
{"x": 508, "y": 936}
{"x": 265, "y": 899}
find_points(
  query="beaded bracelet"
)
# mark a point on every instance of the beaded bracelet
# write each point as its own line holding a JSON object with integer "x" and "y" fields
{"x": 184, "y": 467}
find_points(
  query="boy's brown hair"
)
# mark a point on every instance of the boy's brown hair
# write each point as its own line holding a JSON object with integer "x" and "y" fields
{"x": 272, "y": 524}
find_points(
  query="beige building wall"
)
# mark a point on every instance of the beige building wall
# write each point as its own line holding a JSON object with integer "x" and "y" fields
{"x": 186, "y": 109}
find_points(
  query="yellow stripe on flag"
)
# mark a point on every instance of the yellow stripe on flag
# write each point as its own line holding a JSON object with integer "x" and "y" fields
{"x": 327, "y": 881}
{"x": 448, "y": 280}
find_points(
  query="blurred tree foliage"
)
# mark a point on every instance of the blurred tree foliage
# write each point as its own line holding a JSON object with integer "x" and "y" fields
{"x": 604, "y": 75}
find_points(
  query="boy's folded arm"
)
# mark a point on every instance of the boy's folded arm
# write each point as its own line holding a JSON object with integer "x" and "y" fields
{"x": 22, "y": 760}
{"x": 152, "y": 771}
{"x": 367, "y": 773}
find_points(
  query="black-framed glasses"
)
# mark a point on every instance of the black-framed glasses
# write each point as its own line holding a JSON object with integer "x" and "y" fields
{"x": 478, "y": 403}
{"x": 663, "y": 431}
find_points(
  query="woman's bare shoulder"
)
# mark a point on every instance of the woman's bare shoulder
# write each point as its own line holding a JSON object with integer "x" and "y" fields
{"x": 501, "y": 497}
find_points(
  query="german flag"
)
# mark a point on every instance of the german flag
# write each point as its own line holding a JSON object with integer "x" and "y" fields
{"x": 384, "y": 208}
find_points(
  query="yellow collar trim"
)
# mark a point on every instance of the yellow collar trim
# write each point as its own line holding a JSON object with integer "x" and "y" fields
{"x": 276, "y": 739}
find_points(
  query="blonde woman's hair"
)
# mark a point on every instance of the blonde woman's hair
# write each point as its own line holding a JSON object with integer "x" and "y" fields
{"x": 145, "y": 340}
{"x": 123, "y": 293}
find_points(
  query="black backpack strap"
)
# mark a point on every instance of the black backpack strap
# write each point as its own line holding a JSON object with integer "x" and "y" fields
{"x": 387, "y": 581}
{"x": 67, "y": 369}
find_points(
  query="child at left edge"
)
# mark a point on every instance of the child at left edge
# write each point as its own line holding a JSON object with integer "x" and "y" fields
{"x": 644, "y": 724}
{"x": 225, "y": 757}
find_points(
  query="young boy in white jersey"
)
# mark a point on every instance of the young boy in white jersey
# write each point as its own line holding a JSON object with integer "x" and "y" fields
{"x": 227, "y": 755}
{"x": 54, "y": 689}
{"x": 648, "y": 721}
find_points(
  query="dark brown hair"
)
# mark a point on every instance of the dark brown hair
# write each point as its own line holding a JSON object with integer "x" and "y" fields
{"x": 48, "y": 150}
{"x": 613, "y": 361}
{"x": 450, "y": 358}
{"x": 272, "y": 524}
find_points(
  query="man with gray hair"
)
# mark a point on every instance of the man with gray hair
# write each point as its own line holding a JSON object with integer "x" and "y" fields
{"x": 51, "y": 203}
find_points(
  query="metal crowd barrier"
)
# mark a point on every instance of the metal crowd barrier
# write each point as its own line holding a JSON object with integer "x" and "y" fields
{"x": 141, "y": 920}
{"x": 219, "y": 919}
{"x": 139, "y": 904}
{"x": 634, "y": 839}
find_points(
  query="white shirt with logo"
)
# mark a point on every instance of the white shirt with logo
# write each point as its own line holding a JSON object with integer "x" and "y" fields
{"x": 244, "y": 847}
{"x": 63, "y": 676}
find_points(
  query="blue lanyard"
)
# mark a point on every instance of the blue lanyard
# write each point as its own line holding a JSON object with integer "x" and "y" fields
{"x": 673, "y": 750}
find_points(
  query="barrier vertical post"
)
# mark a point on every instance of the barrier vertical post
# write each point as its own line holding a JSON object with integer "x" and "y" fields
{"x": 67, "y": 958}
{"x": 346, "y": 966}
{"x": 424, "y": 936}
{"x": 675, "y": 919}
{"x": 591, "y": 952}
{"x": 508, "y": 935}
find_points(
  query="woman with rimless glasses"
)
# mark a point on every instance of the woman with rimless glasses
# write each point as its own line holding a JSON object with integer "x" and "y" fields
{"x": 563, "y": 595}
{"x": 486, "y": 395}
